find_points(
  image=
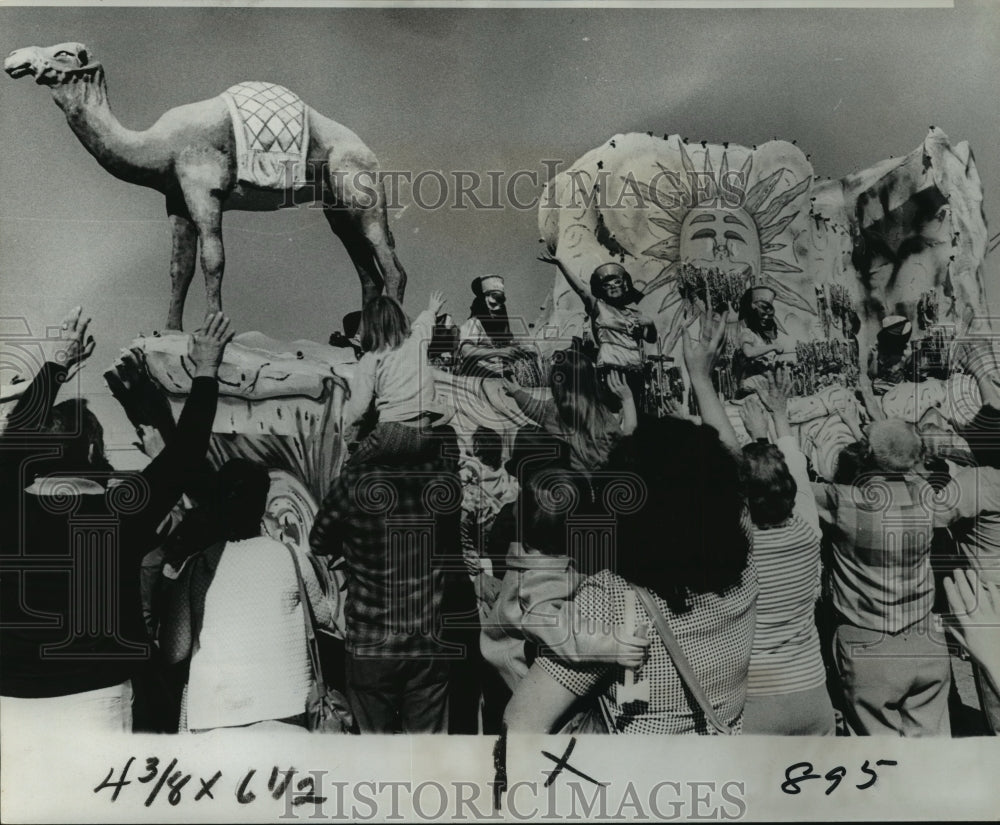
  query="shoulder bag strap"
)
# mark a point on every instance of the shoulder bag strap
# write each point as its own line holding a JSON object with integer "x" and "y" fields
{"x": 680, "y": 660}
{"x": 307, "y": 614}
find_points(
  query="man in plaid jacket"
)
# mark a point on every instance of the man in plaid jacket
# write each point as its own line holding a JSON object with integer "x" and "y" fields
{"x": 395, "y": 518}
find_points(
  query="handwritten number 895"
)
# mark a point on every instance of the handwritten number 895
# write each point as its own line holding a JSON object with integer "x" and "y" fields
{"x": 798, "y": 773}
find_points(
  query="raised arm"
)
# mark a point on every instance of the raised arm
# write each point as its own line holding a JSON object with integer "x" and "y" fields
{"x": 423, "y": 325}
{"x": 62, "y": 357}
{"x": 579, "y": 287}
{"x": 630, "y": 418}
{"x": 700, "y": 355}
{"x": 166, "y": 474}
{"x": 33, "y": 410}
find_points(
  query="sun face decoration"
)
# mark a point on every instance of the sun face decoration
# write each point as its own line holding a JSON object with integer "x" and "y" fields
{"x": 720, "y": 231}
{"x": 721, "y": 238}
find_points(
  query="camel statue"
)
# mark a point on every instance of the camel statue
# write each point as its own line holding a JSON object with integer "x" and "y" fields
{"x": 195, "y": 155}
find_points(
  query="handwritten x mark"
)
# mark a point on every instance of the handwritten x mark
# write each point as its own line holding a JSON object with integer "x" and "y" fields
{"x": 563, "y": 762}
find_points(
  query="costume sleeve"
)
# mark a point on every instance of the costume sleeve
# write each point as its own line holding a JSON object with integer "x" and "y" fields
{"x": 805, "y": 500}
{"x": 471, "y": 332}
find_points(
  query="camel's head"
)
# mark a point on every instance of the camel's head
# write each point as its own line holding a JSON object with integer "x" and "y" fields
{"x": 50, "y": 66}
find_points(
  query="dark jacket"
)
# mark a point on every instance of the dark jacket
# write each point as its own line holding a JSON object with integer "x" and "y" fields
{"x": 70, "y": 608}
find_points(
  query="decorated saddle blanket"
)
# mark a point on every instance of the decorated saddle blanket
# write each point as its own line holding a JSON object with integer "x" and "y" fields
{"x": 272, "y": 138}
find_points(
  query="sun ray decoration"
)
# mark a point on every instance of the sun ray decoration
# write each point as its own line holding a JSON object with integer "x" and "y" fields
{"x": 760, "y": 202}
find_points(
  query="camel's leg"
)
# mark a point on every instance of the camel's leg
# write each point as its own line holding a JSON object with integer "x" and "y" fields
{"x": 204, "y": 180}
{"x": 207, "y": 216}
{"x": 182, "y": 257}
{"x": 359, "y": 219}
{"x": 368, "y": 272}
{"x": 376, "y": 233}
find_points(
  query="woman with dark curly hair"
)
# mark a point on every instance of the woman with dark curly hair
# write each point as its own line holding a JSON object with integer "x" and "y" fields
{"x": 685, "y": 538}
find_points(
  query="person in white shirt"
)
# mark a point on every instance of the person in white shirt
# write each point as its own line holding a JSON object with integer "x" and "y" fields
{"x": 394, "y": 374}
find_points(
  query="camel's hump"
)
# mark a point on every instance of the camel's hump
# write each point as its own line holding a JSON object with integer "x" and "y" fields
{"x": 272, "y": 137}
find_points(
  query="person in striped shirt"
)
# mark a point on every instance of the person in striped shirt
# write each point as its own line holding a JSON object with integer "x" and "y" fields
{"x": 786, "y": 684}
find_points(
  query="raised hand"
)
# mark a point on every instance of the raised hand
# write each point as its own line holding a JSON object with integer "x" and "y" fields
{"x": 150, "y": 440}
{"x": 73, "y": 346}
{"x": 209, "y": 343}
{"x": 618, "y": 385}
{"x": 510, "y": 386}
{"x": 755, "y": 417}
{"x": 701, "y": 353}
{"x": 436, "y": 302}
{"x": 549, "y": 258}
{"x": 778, "y": 389}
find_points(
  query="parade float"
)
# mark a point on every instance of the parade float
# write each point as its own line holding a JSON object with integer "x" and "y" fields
{"x": 695, "y": 225}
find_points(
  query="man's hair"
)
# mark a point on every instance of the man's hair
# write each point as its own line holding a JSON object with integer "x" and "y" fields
{"x": 242, "y": 498}
{"x": 895, "y": 445}
{"x": 769, "y": 486}
{"x": 487, "y": 446}
{"x": 384, "y": 325}
{"x": 853, "y": 462}
{"x": 80, "y": 436}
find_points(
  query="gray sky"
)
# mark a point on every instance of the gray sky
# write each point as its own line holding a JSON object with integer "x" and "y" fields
{"x": 447, "y": 90}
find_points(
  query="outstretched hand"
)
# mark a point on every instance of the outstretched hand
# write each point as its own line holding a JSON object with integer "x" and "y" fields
{"x": 510, "y": 386}
{"x": 775, "y": 394}
{"x": 209, "y": 343}
{"x": 755, "y": 417}
{"x": 436, "y": 302}
{"x": 150, "y": 440}
{"x": 618, "y": 385}
{"x": 701, "y": 352}
{"x": 74, "y": 345}
{"x": 549, "y": 258}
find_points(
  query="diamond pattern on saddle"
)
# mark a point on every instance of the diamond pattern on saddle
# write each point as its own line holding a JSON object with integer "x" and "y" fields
{"x": 273, "y": 115}
{"x": 271, "y": 135}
